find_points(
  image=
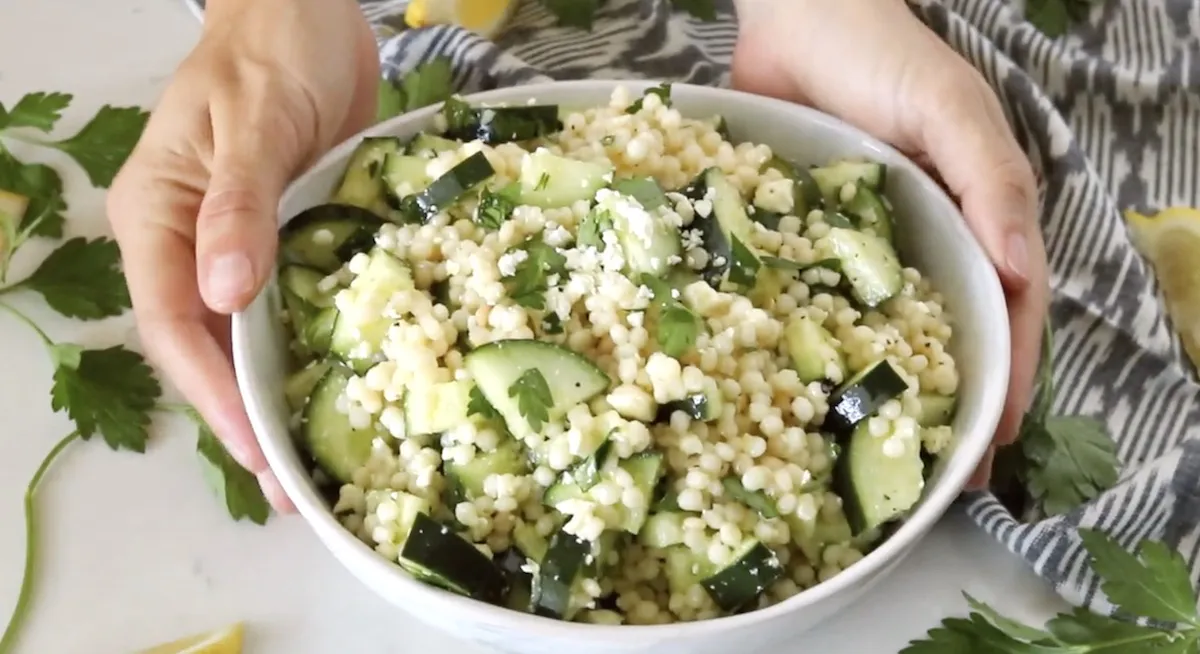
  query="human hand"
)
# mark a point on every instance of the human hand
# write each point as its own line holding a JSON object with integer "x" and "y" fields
{"x": 902, "y": 84}
{"x": 271, "y": 86}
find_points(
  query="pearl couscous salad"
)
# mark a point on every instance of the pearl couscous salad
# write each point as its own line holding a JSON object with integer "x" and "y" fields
{"x": 609, "y": 365}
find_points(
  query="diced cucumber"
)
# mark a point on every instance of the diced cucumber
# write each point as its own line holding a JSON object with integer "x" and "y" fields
{"x": 868, "y": 207}
{"x": 879, "y": 478}
{"x": 436, "y": 408}
{"x": 497, "y": 366}
{"x": 662, "y": 530}
{"x": 527, "y": 539}
{"x": 813, "y": 350}
{"x": 550, "y": 181}
{"x": 728, "y": 230}
{"x": 645, "y": 468}
{"x": 806, "y": 196}
{"x": 307, "y": 306}
{"x": 408, "y": 508}
{"x": 830, "y": 179}
{"x": 754, "y": 568}
{"x": 813, "y": 536}
{"x": 563, "y": 564}
{"x": 685, "y": 569}
{"x": 300, "y": 384}
{"x": 869, "y": 264}
{"x": 436, "y": 555}
{"x": 756, "y": 501}
{"x": 362, "y": 184}
{"x": 326, "y": 236}
{"x": 336, "y": 446}
{"x": 588, "y": 472}
{"x": 506, "y": 459}
{"x": 494, "y": 125}
{"x": 404, "y": 175}
{"x": 445, "y": 191}
{"x": 705, "y": 406}
{"x": 650, "y": 244}
{"x": 861, "y": 396}
{"x": 358, "y": 344}
{"x": 936, "y": 410}
{"x": 428, "y": 146}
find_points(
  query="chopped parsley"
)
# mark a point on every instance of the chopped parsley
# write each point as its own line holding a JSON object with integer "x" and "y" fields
{"x": 534, "y": 398}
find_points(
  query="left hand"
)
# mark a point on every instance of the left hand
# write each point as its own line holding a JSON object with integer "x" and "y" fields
{"x": 873, "y": 64}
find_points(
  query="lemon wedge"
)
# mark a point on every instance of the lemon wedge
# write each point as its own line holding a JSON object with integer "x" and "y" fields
{"x": 1171, "y": 241}
{"x": 227, "y": 640}
{"x": 484, "y": 17}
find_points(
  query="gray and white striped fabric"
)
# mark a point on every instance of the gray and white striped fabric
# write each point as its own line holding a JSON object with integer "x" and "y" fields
{"x": 1110, "y": 117}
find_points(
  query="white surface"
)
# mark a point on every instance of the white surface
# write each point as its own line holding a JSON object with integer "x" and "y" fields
{"x": 134, "y": 548}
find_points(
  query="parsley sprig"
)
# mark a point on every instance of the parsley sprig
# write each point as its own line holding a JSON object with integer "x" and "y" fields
{"x": 428, "y": 83}
{"x": 1059, "y": 462}
{"x": 677, "y": 326}
{"x": 1054, "y": 17}
{"x": 1151, "y": 589}
{"x": 110, "y": 392}
{"x": 534, "y": 398}
{"x": 528, "y": 284}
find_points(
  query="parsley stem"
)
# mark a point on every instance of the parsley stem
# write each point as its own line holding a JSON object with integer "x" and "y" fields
{"x": 24, "y": 318}
{"x": 21, "y": 610}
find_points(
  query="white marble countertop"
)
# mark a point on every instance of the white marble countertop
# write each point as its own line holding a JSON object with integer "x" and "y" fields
{"x": 135, "y": 550}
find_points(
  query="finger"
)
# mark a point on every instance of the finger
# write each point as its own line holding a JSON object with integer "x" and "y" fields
{"x": 254, "y": 157}
{"x": 1027, "y": 311}
{"x": 146, "y": 206}
{"x": 983, "y": 473}
{"x": 274, "y": 492}
{"x": 967, "y": 139}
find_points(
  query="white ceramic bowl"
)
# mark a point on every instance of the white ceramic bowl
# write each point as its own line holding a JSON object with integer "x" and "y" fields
{"x": 931, "y": 236}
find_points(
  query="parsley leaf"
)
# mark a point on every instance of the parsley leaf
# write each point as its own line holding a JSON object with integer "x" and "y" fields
{"x": 235, "y": 486}
{"x": 82, "y": 279}
{"x": 644, "y": 189}
{"x": 40, "y": 111}
{"x": 591, "y": 230}
{"x": 705, "y": 10}
{"x": 104, "y": 143}
{"x": 44, "y": 188}
{"x": 1155, "y": 583}
{"x": 477, "y": 405}
{"x": 744, "y": 266}
{"x": 663, "y": 91}
{"x": 428, "y": 83}
{"x": 496, "y": 207}
{"x": 389, "y": 101}
{"x": 573, "y": 13}
{"x": 677, "y": 326}
{"x": 110, "y": 392}
{"x": 677, "y": 331}
{"x": 1073, "y": 460}
{"x": 530, "y": 281}
{"x": 1054, "y": 17}
{"x": 534, "y": 398}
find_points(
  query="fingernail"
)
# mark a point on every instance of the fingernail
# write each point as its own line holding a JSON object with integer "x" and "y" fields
{"x": 1018, "y": 256}
{"x": 230, "y": 276}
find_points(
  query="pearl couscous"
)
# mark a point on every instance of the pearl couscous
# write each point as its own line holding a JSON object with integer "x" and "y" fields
{"x": 609, "y": 365}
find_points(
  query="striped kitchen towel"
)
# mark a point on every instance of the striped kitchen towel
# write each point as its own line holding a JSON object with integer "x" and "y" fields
{"x": 1110, "y": 117}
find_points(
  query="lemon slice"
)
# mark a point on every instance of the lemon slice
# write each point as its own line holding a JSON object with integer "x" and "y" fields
{"x": 484, "y": 17}
{"x": 1171, "y": 241}
{"x": 227, "y": 640}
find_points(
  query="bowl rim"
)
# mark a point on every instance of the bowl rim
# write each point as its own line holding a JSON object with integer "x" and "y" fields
{"x": 935, "y": 502}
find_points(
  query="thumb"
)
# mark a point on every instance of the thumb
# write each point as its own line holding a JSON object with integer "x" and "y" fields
{"x": 236, "y": 229}
{"x": 971, "y": 145}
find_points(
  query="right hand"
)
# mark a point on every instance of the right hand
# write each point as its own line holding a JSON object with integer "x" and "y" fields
{"x": 272, "y": 85}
